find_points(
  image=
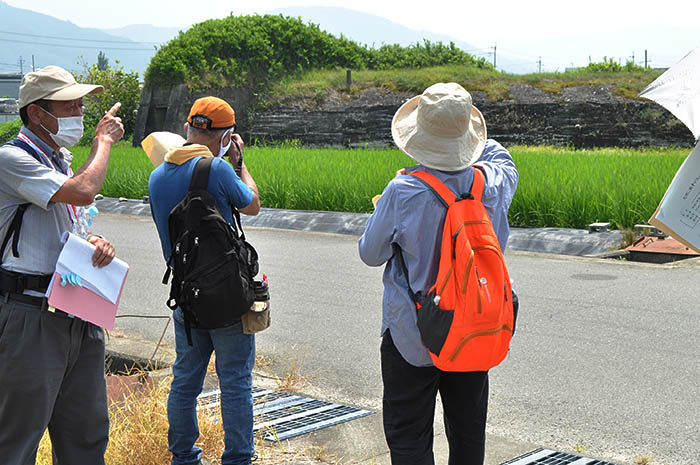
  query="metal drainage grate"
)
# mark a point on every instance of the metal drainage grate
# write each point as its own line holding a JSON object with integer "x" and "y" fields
{"x": 552, "y": 457}
{"x": 280, "y": 415}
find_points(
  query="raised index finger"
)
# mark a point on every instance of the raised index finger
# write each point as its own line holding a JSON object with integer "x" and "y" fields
{"x": 113, "y": 111}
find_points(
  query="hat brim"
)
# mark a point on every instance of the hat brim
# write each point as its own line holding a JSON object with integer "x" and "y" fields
{"x": 74, "y": 91}
{"x": 440, "y": 153}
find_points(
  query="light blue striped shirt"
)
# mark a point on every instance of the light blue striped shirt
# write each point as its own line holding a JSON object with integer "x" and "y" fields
{"x": 411, "y": 215}
{"x": 25, "y": 180}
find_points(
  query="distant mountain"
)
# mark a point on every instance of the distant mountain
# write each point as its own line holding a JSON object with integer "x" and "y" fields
{"x": 146, "y": 33}
{"x": 364, "y": 28}
{"x": 28, "y": 35}
{"x": 49, "y": 41}
{"x": 376, "y": 31}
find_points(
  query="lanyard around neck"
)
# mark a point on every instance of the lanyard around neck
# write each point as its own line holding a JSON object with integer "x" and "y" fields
{"x": 72, "y": 212}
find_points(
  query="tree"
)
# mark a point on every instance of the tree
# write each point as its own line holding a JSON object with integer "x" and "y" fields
{"x": 120, "y": 86}
{"x": 102, "y": 61}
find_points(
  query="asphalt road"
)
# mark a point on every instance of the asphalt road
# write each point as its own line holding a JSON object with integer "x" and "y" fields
{"x": 605, "y": 357}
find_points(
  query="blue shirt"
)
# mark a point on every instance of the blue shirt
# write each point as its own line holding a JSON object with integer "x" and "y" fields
{"x": 168, "y": 185}
{"x": 411, "y": 215}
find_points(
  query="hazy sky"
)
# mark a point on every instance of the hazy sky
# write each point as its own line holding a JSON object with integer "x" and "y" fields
{"x": 560, "y": 32}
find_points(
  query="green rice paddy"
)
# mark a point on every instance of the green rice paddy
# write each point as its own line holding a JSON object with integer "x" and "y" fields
{"x": 557, "y": 187}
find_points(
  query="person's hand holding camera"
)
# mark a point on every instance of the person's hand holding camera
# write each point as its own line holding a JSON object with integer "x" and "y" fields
{"x": 235, "y": 153}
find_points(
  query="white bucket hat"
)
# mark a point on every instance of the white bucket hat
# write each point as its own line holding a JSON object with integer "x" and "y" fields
{"x": 440, "y": 129}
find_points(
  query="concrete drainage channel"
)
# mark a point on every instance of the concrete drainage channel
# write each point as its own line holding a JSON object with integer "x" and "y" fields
{"x": 117, "y": 364}
{"x": 598, "y": 241}
{"x": 651, "y": 245}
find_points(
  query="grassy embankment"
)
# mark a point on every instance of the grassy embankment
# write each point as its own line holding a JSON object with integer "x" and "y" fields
{"x": 558, "y": 187}
{"x": 314, "y": 85}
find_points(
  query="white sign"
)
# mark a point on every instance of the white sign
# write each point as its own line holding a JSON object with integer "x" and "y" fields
{"x": 678, "y": 214}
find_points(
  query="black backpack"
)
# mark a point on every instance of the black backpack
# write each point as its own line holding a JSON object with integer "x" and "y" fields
{"x": 212, "y": 265}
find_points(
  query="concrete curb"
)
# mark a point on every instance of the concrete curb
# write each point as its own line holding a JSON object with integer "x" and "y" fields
{"x": 547, "y": 240}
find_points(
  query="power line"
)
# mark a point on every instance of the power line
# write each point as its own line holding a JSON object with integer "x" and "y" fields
{"x": 79, "y": 39}
{"x": 78, "y": 46}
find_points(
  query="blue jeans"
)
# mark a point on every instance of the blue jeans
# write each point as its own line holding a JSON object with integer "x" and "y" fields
{"x": 235, "y": 357}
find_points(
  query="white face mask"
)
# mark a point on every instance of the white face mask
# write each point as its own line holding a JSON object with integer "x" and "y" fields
{"x": 70, "y": 130}
{"x": 224, "y": 149}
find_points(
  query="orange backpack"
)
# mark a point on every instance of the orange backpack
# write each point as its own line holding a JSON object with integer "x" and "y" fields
{"x": 466, "y": 319}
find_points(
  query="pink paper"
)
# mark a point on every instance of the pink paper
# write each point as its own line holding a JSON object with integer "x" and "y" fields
{"x": 84, "y": 303}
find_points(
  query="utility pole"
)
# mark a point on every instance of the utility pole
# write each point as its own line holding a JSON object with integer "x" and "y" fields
{"x": 539, "y": 65}
{"x": 33, "y": 69}
{"x": 21, "y": 68}
{"x": 494, "y": 55}
{"x": 646, "y": 61}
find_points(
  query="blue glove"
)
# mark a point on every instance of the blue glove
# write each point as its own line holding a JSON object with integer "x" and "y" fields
{"x": 90, "y": 214}
{"x": 72, "y": 279}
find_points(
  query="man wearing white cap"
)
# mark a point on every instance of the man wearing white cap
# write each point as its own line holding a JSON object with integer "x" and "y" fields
{"x": 51, "y": 364}
{"x": 446, "y": 135}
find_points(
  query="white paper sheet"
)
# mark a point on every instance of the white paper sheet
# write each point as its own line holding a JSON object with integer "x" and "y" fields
{"x": 76, "y": 257}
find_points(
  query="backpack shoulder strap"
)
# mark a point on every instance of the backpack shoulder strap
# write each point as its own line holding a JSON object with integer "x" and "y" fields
{"x": 20, "y": 144}
{"x": 438, "y": 188}
{"x": 16, "y": 224}
{"x": 403, "y": 268}
{"x": 200, "y": 175}
{"x": 444, "y": 193}
{"x": 478, "y": 183}
{"x": 13, "y": 231}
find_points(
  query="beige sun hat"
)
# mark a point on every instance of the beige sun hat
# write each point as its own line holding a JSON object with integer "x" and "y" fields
{"x": 440, "y": 129}
{"x": 52, "y": 83}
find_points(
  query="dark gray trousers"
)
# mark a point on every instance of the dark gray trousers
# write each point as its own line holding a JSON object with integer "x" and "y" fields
{"x": 51, "y": 376}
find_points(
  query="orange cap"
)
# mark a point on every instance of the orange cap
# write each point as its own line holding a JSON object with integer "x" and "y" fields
{"x": 211, "y": 113}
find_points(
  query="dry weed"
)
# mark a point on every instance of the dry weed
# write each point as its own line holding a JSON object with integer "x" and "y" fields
{"x": 139, "y": 431}
{"x": 292, "y": 379}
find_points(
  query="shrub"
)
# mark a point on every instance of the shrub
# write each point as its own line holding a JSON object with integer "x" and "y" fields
{"x": 9, "y": 130}
{"x": 120, "y": 86}
{"x": 422, "y": 55}
{"x": 608, "y": 65}
{"x": 247, "y": 50}
{"x": 252, "y": 51}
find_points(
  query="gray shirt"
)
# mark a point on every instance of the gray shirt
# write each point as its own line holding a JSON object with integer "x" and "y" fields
{"x": 24, "y": 180}
{"x": 410, "y": 215}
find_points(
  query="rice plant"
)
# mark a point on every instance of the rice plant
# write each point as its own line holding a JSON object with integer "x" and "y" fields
{"x": 558, "y": 187}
